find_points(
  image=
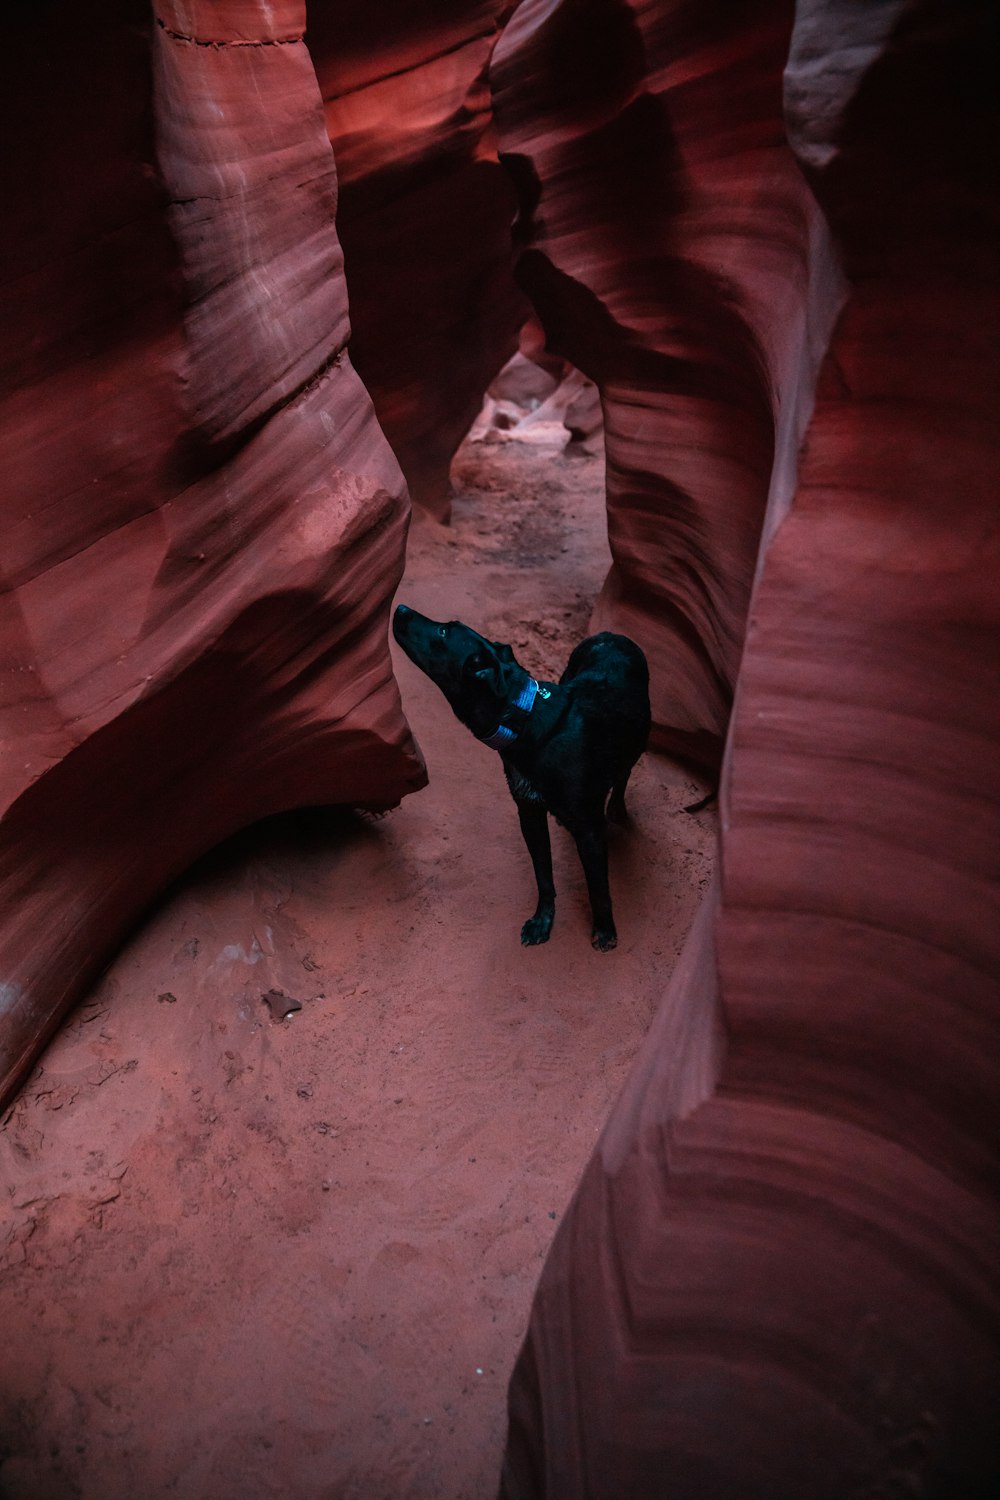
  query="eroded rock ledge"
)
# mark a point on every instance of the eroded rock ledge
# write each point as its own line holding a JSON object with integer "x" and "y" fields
{"x": 204, "y": 522}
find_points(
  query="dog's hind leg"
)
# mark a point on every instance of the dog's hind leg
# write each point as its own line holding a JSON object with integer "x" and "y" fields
{"x": 535, "y": 827}
{"x": 617, "y": 811}
{"x": 592, "y": 843}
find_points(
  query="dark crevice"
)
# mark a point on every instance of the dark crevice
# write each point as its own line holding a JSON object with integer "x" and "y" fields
{"x": 217, "y": 452}
{"x": 197, "y": 41}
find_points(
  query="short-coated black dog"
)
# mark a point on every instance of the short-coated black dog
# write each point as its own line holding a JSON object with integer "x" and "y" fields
{"x": 567, "y": 748}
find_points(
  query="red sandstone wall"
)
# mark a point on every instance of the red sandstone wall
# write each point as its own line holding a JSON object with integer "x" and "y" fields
{"x": 424, "y": 217}
{"x": 672, "y": 249}
{"x": 777, "y": 1279}
{"x": 203, "y": 522}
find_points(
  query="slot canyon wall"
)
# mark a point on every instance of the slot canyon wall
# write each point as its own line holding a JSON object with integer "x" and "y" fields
{"x": 675, "y": 254}
{"x": 424, "y": 216}
{"x": 749, "y": 224}
{"x": 204, "y": 524}
{"x": 777, "y": 1277}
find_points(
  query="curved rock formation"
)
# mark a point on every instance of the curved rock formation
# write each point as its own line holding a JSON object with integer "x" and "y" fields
{"x": 777, "y": 1277}
{"x": 205, "y": 524}
{"x": 424, "y": 218}
{"x": 672, "y": 249}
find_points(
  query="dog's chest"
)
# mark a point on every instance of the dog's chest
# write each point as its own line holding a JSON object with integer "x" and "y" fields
{"x": 521, "y": 788}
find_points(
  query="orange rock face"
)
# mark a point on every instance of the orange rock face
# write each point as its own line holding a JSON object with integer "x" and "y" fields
{"x": 424, "y": 218}
{"x": 775, "y": 1279}
{"x": 204, "y": 522}
{"x": 673, "y": 250}
{"x": 751, "y": 226}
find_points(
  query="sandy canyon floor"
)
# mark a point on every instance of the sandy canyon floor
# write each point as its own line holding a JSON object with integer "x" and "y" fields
{"x": 247, "y": 1257}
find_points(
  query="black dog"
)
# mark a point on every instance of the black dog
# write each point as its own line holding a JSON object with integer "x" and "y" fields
{"x": 565, "y": 746}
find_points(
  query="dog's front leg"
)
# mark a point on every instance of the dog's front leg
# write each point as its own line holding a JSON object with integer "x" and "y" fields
{"x": 592, "y": 843}
{"x": 535, "y": 827}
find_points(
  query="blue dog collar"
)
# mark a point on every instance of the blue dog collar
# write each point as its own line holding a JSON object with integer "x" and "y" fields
{"x": 503, "y": 736}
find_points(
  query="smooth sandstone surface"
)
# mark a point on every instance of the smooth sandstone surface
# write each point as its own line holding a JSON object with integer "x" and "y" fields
{"x": 777, "y": 1278}
{"x": 674, "y": 254}
{"x": 205, "y": 524}
{"x": 424, "y": 218}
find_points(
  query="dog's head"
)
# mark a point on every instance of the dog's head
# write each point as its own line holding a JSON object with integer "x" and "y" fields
{"x": 478, "y": 677}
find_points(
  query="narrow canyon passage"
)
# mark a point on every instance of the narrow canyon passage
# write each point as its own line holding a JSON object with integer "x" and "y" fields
{"x": 312, "y": 1180}
{"x": 252, "y": 1257}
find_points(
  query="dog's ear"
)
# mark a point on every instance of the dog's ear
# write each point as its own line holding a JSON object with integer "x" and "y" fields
{"x": 483, "y": 666}
{"x": 474, "y": 664}
{"x": 504, "y": 651}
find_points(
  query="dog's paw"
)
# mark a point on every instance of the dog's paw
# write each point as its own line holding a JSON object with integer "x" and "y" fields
{"x": 604, "y": 941}
{"x": 536, "y": 930}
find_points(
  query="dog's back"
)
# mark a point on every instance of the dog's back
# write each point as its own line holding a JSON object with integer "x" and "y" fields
{"x": 607, "y": 722}
{"x": 609, "y": 674}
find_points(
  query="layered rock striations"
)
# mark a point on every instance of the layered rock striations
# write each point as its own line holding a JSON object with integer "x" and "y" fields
{"x": 424, "y": 218}
{"x": 672, "y": 250}
{"x": 204, "y": 524}
{"x": 777, "y": 1278}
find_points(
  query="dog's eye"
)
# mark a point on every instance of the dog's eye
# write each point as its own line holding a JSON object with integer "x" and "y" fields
{"x": 442, "y": 631}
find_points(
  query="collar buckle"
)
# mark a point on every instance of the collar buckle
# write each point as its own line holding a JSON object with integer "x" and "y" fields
{"x": 505, "y": 735}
